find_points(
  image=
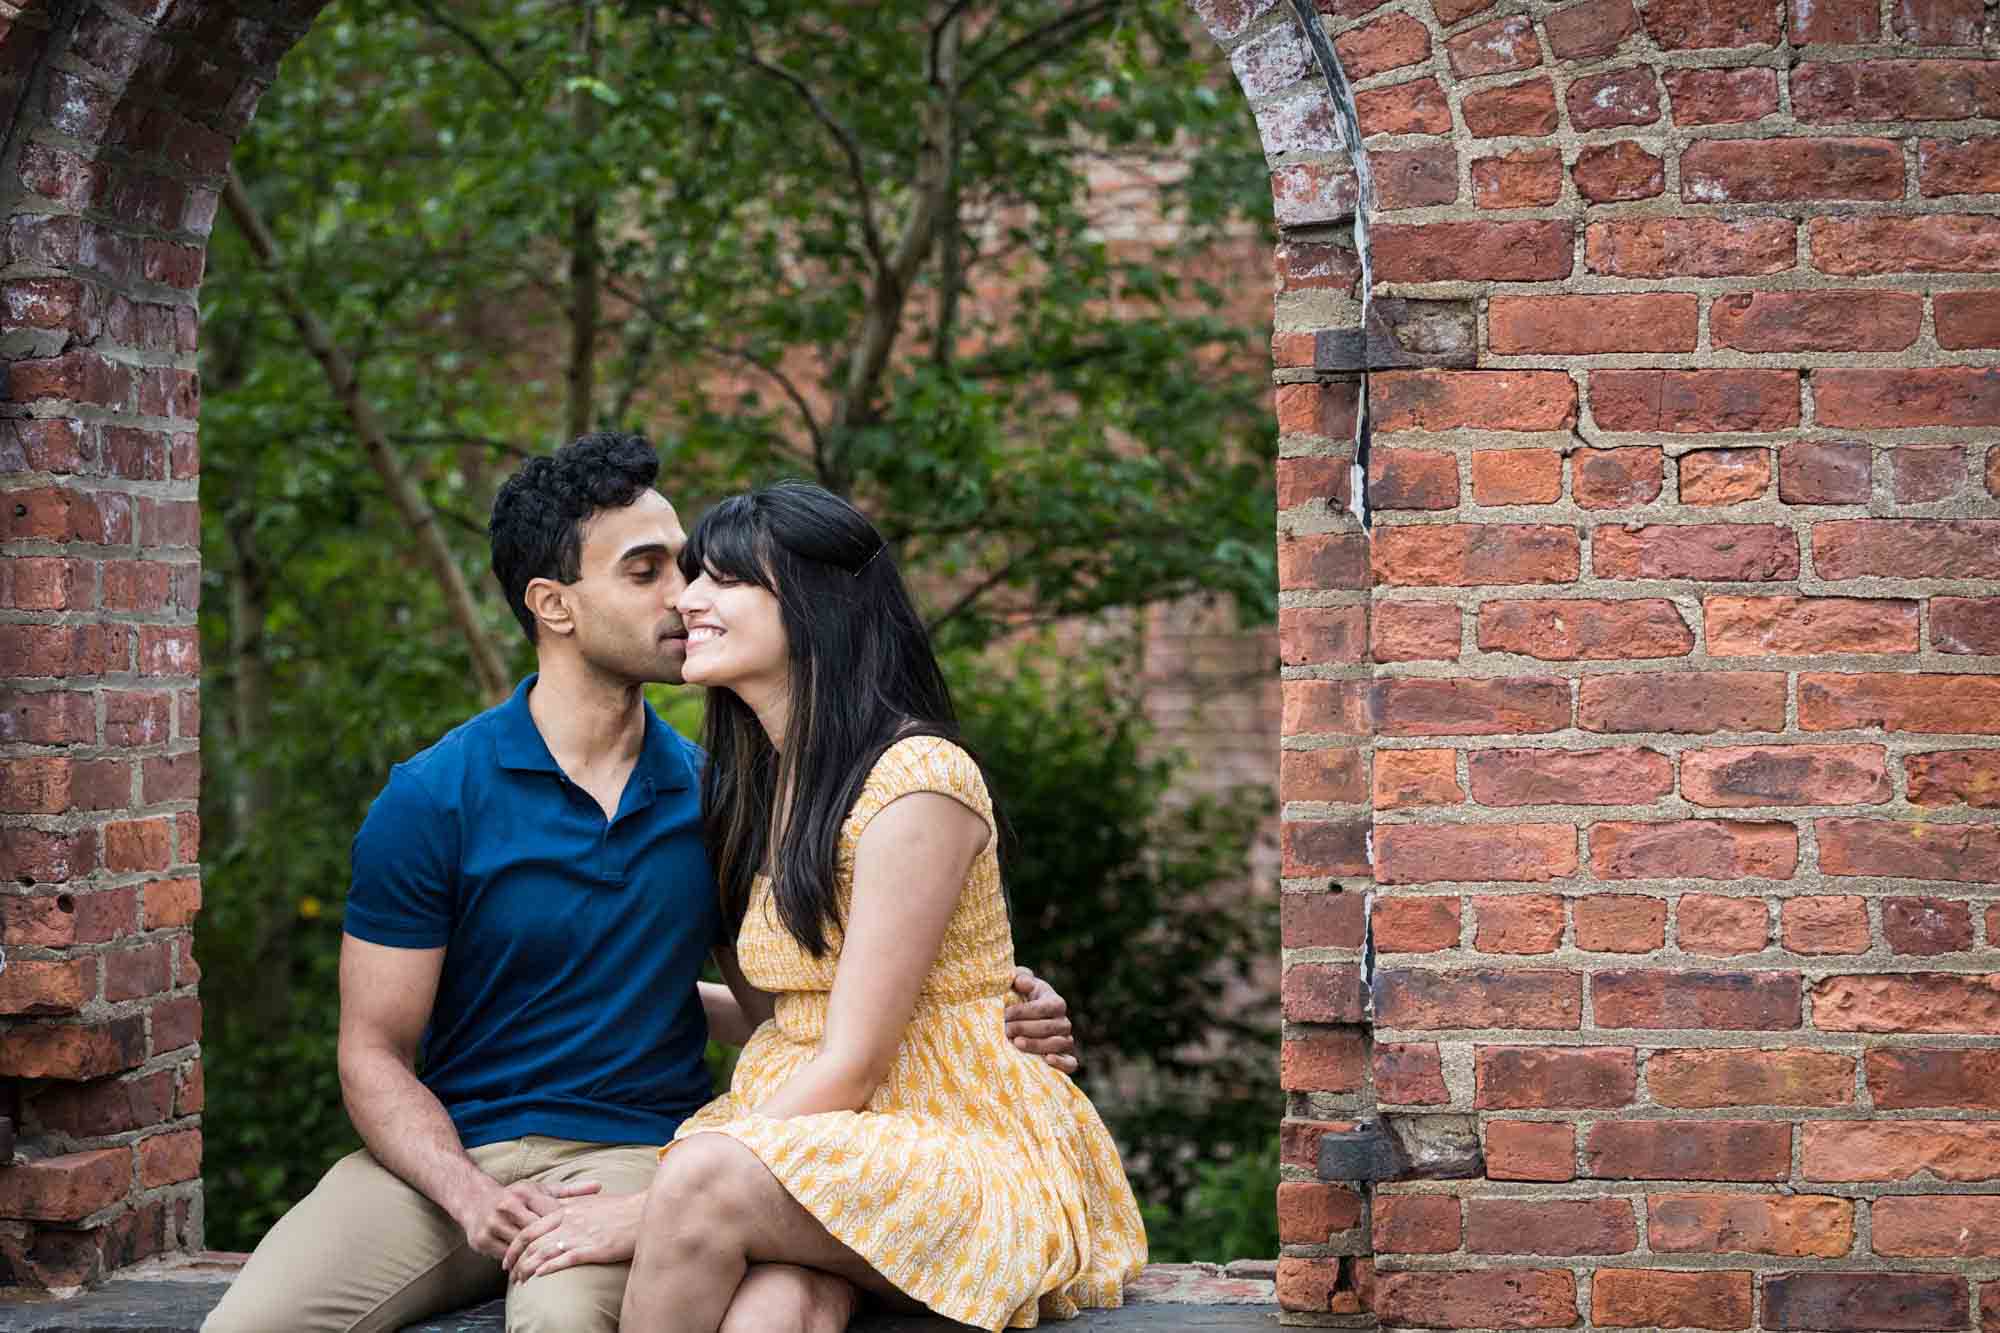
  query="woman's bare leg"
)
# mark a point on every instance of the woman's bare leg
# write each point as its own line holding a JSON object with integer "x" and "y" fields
{"x": 713, "y": 1210}
{"x": 784, "y": 1298}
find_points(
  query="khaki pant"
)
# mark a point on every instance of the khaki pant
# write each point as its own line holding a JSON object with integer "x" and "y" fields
{"x": 364, "y": 1251}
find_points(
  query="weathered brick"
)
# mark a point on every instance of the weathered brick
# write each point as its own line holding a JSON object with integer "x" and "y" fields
{"x": 1409, "y": 1074}
{"x": 1733, "y": 552}
{"x": 1724, "y": 476}
{"x": 1882, "y": 1150}
{"x": 1953, "y": 166}
{"x": 1729, "y": 1001}
{"x": 1518, "y": 923}
{"x": 1569, "y": 777}
{"x": 1582, "y": 325}
{"x": 1849, "y": 1302}
{"x": 1608, "y": 173}
{"x": 1872, "y": 90}
{"x": 1934, "y": 243}
{"x": 1696, "y": 702}
{"x": 1416, "y": 777}
{"x": 1491, "y": 707}
{"x": 1761, "y": 171}
{"x": 1933, "y": 396}
{"x": 1908, "y": 1002}
{"x": 1524, "y": 108}
{"x": 1912, "y": 850}
{"x": 67, "y": 1188}
{"x": 1531, "y": 178}
{"x": 1550, "y": 1226}
{"x": 1818, "y": 321}
{"x": 1719, "y": 927}
{"x": 1415, "y": 177}
{"x": 1516, "y": 476}
{"x": 1414, "y": 632}
{"x": 1567, "y": 630}
{"x": 1826, "y": 925}
{"x": 1688, "y": 1150}
{"x": 176, "y": 1023}
{"x": 1939, "y": 22}
{"x": 1499, "y": 47}
{"x": 1323, "y": 707}
{"x": 1736, "y": 1077}
{"x": 1483, "y": 1298}
{"x": 1752, "y": 775}
{"x": 1927, "y": 926}
{"x": 1416, "y": 925}
{"x": 1412, "y": 479}
{"x": 1656, "y": 1298}
{"x": 1620, "y": 923}
{"x": 1331, "y": 920}
{"x": 1805, "y": 1226}
{"x": 1324, "y": 562}
{"x": 1955, "y": 777}
{"x": 1314, "y": 265}
{"x": 1683, "y": 25}
{"x": 1322, "y": 993}
{"x": 1629, "y": 96}
{"x": 1323, "y": 847}
{"x": 1332, "y": 1061}
{"x": 1473, "y": 252}
{"x": 1616, "y": 478}
{"x": 1322, "y": 635}
{"x": 1386, "y": 44}
{"x": 1298, "y": 1140}
{"x": 1965, "y": 1227}
{"x": 73, "y": 1051}
{"x": 1690, "y": 247}
{"x": 1591, "y": 29}
{"x": 1802, "y": 626}
{"x": 1559, "y": 1077}
{"x": 1692, "y": 402}
{"x": 1311, "y": 1213}
{"x": 1415, "y": 1224}
{"x": 1927, "y": 473}
{"x": 1430, "y": 853}
{"x": 1530, "y": 1150}
{"x": 1313, "y": 479}
{"x": 107, "y": 1106}
{"x": 1722, "y": 96}
{"x": 1513, "y": 998}
{"x": 62, "y": 986}
{"x": 166, "y": 1159}
{"x": 1338, "y": 775}
{"x": 1907, "y": 548}
{"x": 1315, "y": 409}
{"x": 1694, "y": 849}
{"x": 1309, "y": 1285}
{"x": 1418, "y": 107}
{"x": 1965, "y": 319}
{"x": 1905, "y": 1077}
{"x": 1462, "y": 554}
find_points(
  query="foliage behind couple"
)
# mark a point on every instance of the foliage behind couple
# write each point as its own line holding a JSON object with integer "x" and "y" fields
{"x": 513, "y": 218}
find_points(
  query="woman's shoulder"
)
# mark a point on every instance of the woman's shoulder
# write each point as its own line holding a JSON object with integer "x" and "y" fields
{"x": 924, "y": 762}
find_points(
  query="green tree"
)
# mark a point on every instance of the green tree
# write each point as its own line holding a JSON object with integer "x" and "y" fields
{"x": 850, "y": 242}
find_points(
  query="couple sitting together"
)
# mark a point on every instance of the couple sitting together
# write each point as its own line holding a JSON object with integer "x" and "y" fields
{"x": 533, "y": 901}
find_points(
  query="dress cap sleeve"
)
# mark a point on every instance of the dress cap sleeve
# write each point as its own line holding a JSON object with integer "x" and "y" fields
{"x": 920, "y": 763}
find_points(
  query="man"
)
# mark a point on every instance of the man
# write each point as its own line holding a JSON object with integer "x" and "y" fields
{"x": 531, "y": 906}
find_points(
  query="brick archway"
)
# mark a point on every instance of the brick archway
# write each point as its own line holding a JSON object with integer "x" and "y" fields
{"x": 1636, "y": 783}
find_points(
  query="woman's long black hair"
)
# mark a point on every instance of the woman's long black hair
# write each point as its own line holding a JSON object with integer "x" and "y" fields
{"x": 863, "y": 676}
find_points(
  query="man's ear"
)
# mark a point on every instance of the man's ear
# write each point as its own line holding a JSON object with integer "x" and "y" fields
{"x": 548, "y": 603}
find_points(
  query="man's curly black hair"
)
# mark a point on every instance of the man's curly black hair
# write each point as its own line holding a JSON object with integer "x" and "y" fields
{"x": 538, "y": 517}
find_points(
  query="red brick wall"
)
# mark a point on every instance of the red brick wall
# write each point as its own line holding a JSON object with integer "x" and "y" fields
{"x": 119, "y": 119}
{"x": 1658, "y": 710}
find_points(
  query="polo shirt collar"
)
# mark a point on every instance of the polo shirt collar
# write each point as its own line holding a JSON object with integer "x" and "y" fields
{"x": 519, "y": 745}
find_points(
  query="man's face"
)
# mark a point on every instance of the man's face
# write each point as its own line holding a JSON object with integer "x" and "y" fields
{"x": 622, "y": 603}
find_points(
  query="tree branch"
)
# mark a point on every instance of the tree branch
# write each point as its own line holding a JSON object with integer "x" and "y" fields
{"x": 1049, "y": 34}
{"x": 475, "y": 42}
{"x": 411, "y": 506}
{"x": 583, "y": 268}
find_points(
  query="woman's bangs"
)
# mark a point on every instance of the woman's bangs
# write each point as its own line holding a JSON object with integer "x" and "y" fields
{"x": 728, "y": 544}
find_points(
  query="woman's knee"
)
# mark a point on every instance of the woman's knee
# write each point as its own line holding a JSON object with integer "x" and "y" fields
{"x": 703, "y": 1198}
{"x": 783, "y": 1298}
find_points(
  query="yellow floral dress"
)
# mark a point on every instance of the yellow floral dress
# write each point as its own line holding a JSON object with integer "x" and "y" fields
{"x": 978, "y": 1179}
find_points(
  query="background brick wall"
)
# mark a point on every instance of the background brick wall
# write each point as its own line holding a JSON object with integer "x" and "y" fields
{"x": 1670, "y": 670}
{"x": 118, "y": 122}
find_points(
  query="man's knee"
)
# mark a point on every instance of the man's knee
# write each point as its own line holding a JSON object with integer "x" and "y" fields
{"x": 584, "y": 1299}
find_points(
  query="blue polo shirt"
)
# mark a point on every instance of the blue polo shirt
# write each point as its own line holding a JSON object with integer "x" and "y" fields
{"x": 567, "y": 1005}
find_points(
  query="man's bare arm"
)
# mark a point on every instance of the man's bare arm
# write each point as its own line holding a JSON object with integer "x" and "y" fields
{"x": 727, "y": 1023}
{"x": 385, "y": 1000}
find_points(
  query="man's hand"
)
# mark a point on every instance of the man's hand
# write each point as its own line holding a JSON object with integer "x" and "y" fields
{"x": 594, "y": 1231}
{"x": 493, "y": 1221}
{"x": 1040, "y": 1023}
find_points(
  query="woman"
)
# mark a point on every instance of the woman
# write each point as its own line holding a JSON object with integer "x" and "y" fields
{"x": 879, "y": 1126}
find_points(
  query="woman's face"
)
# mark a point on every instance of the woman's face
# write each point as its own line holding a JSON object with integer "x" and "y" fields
{"x": 736, "y": 636}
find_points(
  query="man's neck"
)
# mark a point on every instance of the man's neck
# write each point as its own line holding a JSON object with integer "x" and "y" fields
{"x": 588, "y": 720}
